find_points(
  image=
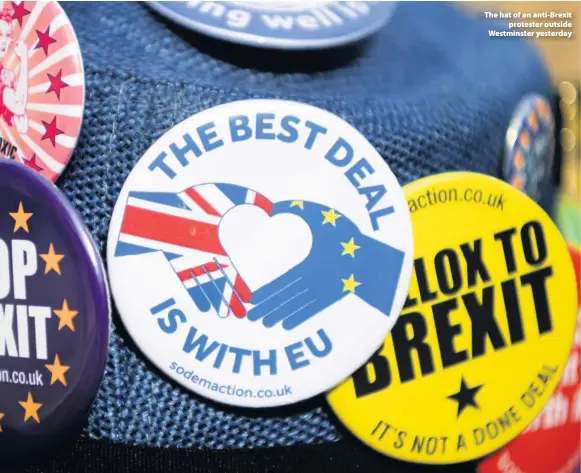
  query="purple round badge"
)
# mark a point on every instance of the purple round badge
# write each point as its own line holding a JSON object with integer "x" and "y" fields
{"x": 54, "y": 313}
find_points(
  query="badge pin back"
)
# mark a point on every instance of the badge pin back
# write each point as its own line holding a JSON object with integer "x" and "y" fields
{"x": 42, "y": 86}
{"x": 281, "y": 25}
{"x": 530, "y": 146}
{"x": 54, "y": 314}
{"x": 251, "y": 246}
{"x": 484, "y": 335}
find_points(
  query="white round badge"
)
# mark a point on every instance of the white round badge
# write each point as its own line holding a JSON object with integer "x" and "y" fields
{"x": 260, "y": 252}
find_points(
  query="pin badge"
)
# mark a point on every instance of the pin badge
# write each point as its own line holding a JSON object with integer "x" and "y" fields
{"x": 42, "y": 86}
{"x": 530, "y": 146}
{"x": 287, "y": 25}
{"x": 550, "y": 444}
{"x": 253, "y": 246}
{"x": 485, "y": 332}
{"x": 54, "y": 313}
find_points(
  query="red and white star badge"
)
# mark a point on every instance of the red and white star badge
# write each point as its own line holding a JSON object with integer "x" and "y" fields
{"x": 42, "y": 86}
{"x": 552, "y": 443}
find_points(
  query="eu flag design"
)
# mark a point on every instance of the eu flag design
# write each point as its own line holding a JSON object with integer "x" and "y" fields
{"x": 342, "y": 261}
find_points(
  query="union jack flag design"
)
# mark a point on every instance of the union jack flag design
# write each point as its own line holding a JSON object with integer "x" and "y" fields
{"x": 184, "y": 226}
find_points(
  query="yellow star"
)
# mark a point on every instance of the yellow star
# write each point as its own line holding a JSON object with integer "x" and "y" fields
{"x": 66, "y": 316}
{"x": 20, "y": 219}
{"x": 330, "y": 216}
{"x": 52, "y": 260}
{"x": 298, "y": 203}
{"x": 350, "y": 284}
{"x": 57, "y": 371}
{"x": 1, "y": 417}
{"x": 349, "y": 248}
{"x": 30, "y": 408}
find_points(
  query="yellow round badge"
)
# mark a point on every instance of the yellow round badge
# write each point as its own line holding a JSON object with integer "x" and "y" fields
{"x": 485, "y": 332}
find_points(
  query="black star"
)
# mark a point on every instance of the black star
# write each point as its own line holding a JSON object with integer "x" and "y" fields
{"x": 465, "y": 396}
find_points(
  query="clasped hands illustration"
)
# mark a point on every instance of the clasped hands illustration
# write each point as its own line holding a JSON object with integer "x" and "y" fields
{"x": 301, "y": 259}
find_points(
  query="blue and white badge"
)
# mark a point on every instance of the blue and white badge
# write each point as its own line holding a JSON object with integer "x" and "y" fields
{"x": 286, "y": 25}
{"x": 530, "y": 146}
{"x": 260, "y": 251}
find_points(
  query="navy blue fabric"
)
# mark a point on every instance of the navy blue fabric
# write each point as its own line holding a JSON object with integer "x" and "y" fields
{"x": 431, "y": 91}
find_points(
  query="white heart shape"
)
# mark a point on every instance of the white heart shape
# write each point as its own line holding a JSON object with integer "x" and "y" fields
{"x": 261, "y": 247}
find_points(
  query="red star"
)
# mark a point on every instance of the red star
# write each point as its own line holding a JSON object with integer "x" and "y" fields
{"x": 56, "y": 84}
{"x": 19, "y": 12}
{"x": 31, "y": 163}
{"x": 51, "y": 131}
{"x": 44, "y": 40}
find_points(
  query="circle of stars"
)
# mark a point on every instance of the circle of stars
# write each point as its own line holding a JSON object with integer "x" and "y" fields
{"x": 66, "y": 315}
{"x": 330, "y": 217}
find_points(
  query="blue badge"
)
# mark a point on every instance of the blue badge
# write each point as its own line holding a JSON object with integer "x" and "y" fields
{"x": 290, "y": 25}
{"x": 530, "y": 146}
{"x": 54, "y": 314}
